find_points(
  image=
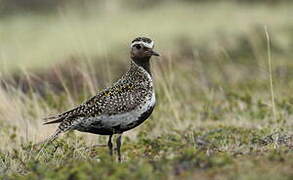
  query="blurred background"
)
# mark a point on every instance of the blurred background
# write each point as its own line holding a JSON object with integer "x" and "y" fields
{"x": 56, "y": 53}
{"x": 38, "y": 33}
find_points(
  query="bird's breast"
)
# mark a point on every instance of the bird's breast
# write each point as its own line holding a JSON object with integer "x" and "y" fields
{"x": 133, "y": 118}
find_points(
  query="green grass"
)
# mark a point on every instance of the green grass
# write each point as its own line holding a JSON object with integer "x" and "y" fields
{"x": 225, "y": 152}
{"x": 214, "y": 119}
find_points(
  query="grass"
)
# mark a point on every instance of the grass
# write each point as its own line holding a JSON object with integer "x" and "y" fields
{"x": 215, "y": 118}
{"x": 103, "y": 32}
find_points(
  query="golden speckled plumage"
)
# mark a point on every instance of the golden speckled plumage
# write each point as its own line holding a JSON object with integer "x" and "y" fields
{"x": 121, "y": 107}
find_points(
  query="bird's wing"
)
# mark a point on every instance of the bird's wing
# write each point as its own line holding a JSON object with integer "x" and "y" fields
{"x": 117, "y": 99}
{"x": 75, "y": 112}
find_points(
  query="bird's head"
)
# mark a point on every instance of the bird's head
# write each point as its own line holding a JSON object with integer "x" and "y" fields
{"x": 142, "y": 49}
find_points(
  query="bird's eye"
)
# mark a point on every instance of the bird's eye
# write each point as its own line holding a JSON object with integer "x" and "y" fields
{"x": 137, "y": 46}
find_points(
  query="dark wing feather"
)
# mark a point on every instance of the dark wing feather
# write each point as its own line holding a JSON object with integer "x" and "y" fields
{"x": 100, "y": 104}
{"x": 89, "y": 108}
{"x": 60, "y": 117}
{"x": 81, "y": 110}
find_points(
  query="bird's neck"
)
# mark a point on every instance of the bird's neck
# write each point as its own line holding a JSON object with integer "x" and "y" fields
{"x": 144, "y": 63}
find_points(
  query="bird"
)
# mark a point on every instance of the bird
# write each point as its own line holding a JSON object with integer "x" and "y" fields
{"x": 119, "y": 108}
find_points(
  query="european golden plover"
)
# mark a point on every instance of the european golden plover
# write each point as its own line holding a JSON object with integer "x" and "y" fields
{"x": 124, "y": 106}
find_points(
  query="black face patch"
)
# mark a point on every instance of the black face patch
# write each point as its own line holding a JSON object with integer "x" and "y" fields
{"x": 137, "y": 46}
{"x": 144, "y": 39}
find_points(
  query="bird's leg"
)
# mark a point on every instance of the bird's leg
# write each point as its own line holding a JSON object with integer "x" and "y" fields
{"x": 118, "y": 142}
{"x": 110, "y": 145}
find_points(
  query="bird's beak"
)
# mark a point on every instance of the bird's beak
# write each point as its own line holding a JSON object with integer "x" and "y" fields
{"x": 154, "y": 53}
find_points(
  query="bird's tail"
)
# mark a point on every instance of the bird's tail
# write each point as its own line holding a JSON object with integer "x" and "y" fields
{"x": 53, "y": 119}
